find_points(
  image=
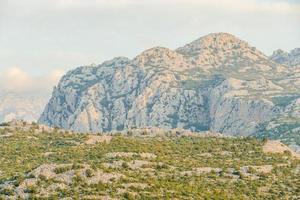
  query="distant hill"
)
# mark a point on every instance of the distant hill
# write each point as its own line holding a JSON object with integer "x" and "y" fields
{"x": 26, "y": 106}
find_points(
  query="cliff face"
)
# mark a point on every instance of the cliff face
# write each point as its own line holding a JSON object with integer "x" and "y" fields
{"x": 217, "y": 82}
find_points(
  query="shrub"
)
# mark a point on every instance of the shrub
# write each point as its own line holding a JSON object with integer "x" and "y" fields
{"x": 4, "y": 124}
{"x": 31, "y": 189}
{"x": 60, "y": 170}
{"x": 7, "y": 191}
{"x": 129, "y": 133}
{"x": 128, "y": 195}
{"x": 89, "y": 173}
{"x": 125, "y": 165}
{"x": 287, "y": 153}
{"x": 161, "y": 166}
{"x": 76, "y": 166}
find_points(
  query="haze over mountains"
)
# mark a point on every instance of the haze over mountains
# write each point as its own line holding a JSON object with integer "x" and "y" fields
{"x": 23, "y": 96}
{"x": 22, "y": 105}
{"x": 217, "y": 82}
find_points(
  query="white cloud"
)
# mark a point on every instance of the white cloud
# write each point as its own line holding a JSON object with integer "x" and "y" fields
{"x": 16, "y": 80}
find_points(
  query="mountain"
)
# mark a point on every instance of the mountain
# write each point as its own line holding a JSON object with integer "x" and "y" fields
{"x": 16, "y": 105}
{"x": 290, "y": 59}
{"x": 217, "y": 82}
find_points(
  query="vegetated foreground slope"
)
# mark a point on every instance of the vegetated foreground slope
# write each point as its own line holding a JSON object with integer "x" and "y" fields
{"x": 42, "y": 163}
{"x": 217, "y": 83}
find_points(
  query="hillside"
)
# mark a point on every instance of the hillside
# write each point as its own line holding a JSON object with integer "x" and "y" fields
{"x": 38, "y": 162}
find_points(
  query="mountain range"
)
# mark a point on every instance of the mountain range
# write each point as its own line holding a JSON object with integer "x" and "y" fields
{"x": 217, "y": 82}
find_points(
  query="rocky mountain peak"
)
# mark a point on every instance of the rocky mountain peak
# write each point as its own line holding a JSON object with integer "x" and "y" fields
{"x": 221, "y": 50}
{"x": 279, "y": 52}
{"x": 279, "y": 56}
{"x": 295, "y": 52}
{"x": 214, "y": 42}
{"x": 161, "y": 57}
{"x": 291, "y": 58}
{"x": 156, "y": 51}
{"x": 117, "y": 61}
{"x": 218, "y": 40}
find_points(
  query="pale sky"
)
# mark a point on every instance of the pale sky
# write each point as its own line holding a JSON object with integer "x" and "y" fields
{"x": 45, "y": 38}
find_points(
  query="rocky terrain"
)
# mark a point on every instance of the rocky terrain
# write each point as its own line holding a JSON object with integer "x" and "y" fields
{"x": 39, "y": 162}
{"x": 217, "y": 82}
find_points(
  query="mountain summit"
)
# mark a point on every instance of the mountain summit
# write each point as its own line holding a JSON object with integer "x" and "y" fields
{"x": 217, "y": 82}
{"x": 214, "y": 42}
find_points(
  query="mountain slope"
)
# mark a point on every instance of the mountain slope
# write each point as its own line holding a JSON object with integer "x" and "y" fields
{"x": 217, "y": 83}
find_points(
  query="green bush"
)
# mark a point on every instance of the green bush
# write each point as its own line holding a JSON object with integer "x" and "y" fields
{"x": 4, "y": 124}
{"x": 89, "y": 173}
